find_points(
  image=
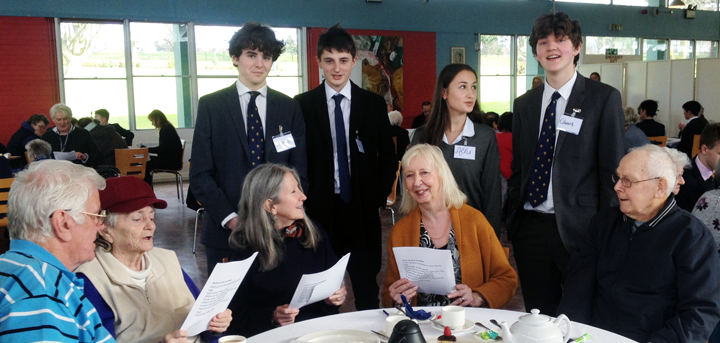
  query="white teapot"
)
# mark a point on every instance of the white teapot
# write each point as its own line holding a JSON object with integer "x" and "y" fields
{"x": 536, "y": 328}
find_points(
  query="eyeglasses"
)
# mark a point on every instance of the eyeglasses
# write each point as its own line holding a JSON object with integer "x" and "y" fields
{"x": 98, "y": 217}
{"x": 627, "y": 183}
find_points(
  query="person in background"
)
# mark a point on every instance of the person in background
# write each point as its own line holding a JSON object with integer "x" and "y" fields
{"x": 272, "y": 223}
{"x": 648, "y": 125}
{"x": 478, "y": 170}
{"x": 400, "y": 134}
{"x": 31, "y": 129}
{"x": 140, "y": 292}
{"x": 54, "y": 217}
{"x": 504, "y": 139}
{"x": 169, "y": 151}
{"x": 595, "y": 76}
{"x": 438, "y": 218}
{"x": 423, "y": 117}
{"x": 682, "y": 162}
{"x": 105, "y": 136}
{"x": 699, "y": 178}
{"x": 491, "y": 119}
{"x": 646, "y": 269}
{"x": 6, "y": 170}
{"x": 693, "y": 126}
{"x": 38, "y": 150}
{"x": 66, "y": 137}
{"x": 103, "y": 116}
{"x": 537, "y": 81}
{"x": 633, "y": 136}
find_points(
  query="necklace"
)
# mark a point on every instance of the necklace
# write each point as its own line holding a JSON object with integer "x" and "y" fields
{"x": 447, "y": 229}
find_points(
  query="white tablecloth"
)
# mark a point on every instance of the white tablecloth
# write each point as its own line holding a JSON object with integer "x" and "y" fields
{"x": 375, "y": 320}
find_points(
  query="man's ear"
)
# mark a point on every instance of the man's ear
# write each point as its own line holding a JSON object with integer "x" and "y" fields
{"x": 61, "y": 225}
{"x": 106, "y": 235}
{"x": 662, "y": 187}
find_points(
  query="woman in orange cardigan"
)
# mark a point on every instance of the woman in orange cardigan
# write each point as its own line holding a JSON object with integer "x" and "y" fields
{"x": 437, "y": 217}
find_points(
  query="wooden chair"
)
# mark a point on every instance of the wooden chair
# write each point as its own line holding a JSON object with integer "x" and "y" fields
{"x": 696, "y": 146}
{"x": 132, "y": 162}
{"x": 658, "y": 140}
{"x": 4, "y": 192}
{"x": 178, "y": 177}
{"x": 393, "y": 194}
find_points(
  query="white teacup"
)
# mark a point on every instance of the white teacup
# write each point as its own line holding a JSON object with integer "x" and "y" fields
{"x": 390, "y": 322}
{"x": 232, "y": 339}
{"x": 453, "y": 316}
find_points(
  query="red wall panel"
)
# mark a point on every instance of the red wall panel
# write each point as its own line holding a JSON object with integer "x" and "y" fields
{"x": 418, "y": 66}
{"x": 28, "y": 71}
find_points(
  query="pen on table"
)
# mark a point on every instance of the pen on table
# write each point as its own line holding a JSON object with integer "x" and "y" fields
{"x": 387, "y": 314}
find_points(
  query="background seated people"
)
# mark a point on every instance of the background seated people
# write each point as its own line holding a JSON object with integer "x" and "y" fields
{"x": 140, "y": 292}
{"x": 694, "y": 125}
{"x": 106, "y": 138}
{"x": 29, "y": 130}
{"x": 423, "y": 117}
{"x": 682, "y": 162}
{"x": 38, "y": 150}
{"x": 103, "y": 116}
{"x": 5, "y": 168}
{"x": 403, "y": 138}
{"x": 52, "y": 223}
{"x": 65, "y": 137}
{"x": 491, "y": 119}
{"x": 633, "y": 137}
{"x": 437, "y": 218}
{"x": 537, "y": 81}
{"x": 169, "y": 151}
{"x": 595, "y": 76}
{"x": 646, "y": 270}
{"x": 273, "y": 223}
{"x": 647, "y": 111}
{"x": 504, "y": 139}
{"x": 699, "y": 178}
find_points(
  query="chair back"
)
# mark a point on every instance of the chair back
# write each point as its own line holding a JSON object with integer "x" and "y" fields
{"x": 393, "y": 195}
{"x": 131, "y": 162}
{"x": 696, "y": 146}
{"x": 658, "y": 140}
{"x": 4, "y": 193}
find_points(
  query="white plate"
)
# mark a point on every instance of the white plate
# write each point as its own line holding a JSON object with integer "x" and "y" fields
{"x": 433, "y": 339}
{"x": 340, "y": 336}
{"x": 468, "y": 325}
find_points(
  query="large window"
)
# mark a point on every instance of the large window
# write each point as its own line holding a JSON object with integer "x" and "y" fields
{"x": 654, "y": 49}
{"x": 599, "y": 45}
{"x": 618, "y": 2}
{"x": 681, "y": 49}
{"x": 132, "y": 68}
{"x": 702, "y": 5}
{"x": 706, "y": 48}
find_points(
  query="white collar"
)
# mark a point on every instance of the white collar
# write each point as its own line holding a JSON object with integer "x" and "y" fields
{"x": 691, "y": 119}
{"x": 242, "y": 89}
{"x": 468, "y": 131}
{"x": 564, "y": 91}
{"x": 72, "y": 128}
{"x": 345, "y": 91}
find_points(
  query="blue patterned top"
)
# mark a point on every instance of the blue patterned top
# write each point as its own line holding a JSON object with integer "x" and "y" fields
{"x": 427, "y": 299}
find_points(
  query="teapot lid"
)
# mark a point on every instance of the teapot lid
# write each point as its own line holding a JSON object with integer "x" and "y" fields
{"x": 535, "y": 318}
{"x": 406, "y": 327}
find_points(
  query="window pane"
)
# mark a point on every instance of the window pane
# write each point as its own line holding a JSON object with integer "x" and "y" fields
{"x": 92, "y": 50}
{"x": 631, "y": 2}
{"x": 495, "y": 93}
{"x": 86, "y": 96}
{"x": 706, "y": 48}
{"x": 289, "y": 86}
{"x": 211, "y": 45}
{"x": 159, "y": 49}
{"x": 495, "y": 55}
{"x": 703, "y": 5}
{"x": 211, "y": 85}
{"x": 588, "y": 1}
{"x": 524, "y": 83}
{"x": 287, "y": 64}
{"x": 164, "y": 94}
{"x": 597, "y": 45}
{"x": 681, "y": 49}
{"x": 654, "y": 50}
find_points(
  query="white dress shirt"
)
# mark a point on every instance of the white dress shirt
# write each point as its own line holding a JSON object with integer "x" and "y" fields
{"x": 345, "y": 107}
{"x": 468, "y": 131}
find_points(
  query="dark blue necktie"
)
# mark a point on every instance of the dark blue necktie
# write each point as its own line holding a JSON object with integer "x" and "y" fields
{"x": 542, "y": 161}
{"x": 342, "y": 159}
{"x": 256, "y": 139}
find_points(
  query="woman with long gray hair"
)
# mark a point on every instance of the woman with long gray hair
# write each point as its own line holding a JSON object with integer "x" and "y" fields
{"x": 272, "y": 222}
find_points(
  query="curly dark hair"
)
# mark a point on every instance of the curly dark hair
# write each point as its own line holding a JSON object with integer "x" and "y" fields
{"x": 256, "y": 36}
{"x": 336, "y": 38}
{"x": 558, "y": 24}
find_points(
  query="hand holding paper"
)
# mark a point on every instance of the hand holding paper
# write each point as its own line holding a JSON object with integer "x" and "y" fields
{"x": 315, "y": 287}
{"x": 429, "y": 269}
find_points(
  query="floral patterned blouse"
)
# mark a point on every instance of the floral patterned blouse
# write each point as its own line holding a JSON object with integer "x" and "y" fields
{"x": 427, "y": 299}
{"x": 707, "y": 209}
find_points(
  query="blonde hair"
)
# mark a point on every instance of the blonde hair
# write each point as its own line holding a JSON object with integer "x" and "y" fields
{"x": 452, "y": 195}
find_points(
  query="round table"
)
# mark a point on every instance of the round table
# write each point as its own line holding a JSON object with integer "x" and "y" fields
{"x": 375, "y": 320}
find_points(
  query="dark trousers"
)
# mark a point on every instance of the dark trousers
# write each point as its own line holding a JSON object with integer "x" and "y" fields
{"x": 365, "y": 257}
{"x": 215, "y": 256}
{"x": 542, "y": 261}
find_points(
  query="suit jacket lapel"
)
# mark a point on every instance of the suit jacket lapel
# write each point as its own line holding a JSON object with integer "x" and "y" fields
{"x": 356, "y": 111}
{"x": 577, "y": 96}
{"x": 533, "y": 119}
{"x": 320, "y": 102}
{"x": 232, "y": 100}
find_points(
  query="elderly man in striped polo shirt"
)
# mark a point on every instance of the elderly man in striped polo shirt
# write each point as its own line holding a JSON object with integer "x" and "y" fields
{"x": 54, "y": 216}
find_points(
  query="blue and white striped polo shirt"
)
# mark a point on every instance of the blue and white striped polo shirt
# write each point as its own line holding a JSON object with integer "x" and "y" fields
{"x": 42, "y": 301}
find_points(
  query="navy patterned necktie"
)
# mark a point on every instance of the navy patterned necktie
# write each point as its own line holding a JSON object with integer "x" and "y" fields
{"x": 542, "y": 161}
{"x": 342, "y": 158}
{"x": 256, "y": 139}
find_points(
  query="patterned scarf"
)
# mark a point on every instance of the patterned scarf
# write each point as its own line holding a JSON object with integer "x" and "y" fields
{"x": 295, "y": 230}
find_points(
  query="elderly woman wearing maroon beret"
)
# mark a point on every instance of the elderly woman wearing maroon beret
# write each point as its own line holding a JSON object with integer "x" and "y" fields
{"x": 141, "y": 292}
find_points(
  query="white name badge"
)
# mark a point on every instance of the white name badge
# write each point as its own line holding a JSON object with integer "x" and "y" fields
{"x": 465, "y": 152}
{"x": 570, "y": 124}
{"x": 284, "y": 141}
{"x": 359, "y": 145}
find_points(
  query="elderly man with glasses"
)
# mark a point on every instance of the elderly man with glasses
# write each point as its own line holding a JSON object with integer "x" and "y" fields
{"x": 647, "y": 269}
{"x": 54, "y": 217}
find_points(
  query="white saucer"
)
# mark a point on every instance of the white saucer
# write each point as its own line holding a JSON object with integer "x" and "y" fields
{"x": 433, "y": 339}
{"x": 468, "y": 325}
{"x": 336, "y": 336}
